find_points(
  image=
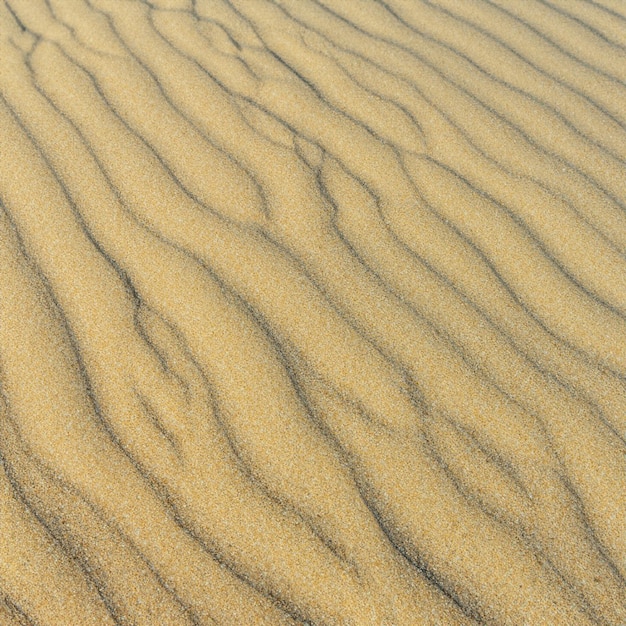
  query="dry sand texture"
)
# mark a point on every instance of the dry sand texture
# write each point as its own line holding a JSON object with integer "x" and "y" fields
{"x": 313, "y": 312}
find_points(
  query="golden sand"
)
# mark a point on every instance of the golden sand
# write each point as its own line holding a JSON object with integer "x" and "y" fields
{"x": 313, "y": 312}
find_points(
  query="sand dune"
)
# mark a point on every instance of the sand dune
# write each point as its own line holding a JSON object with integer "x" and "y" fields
{"x": 313, "y": 311}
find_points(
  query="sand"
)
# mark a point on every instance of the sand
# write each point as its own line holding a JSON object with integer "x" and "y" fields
{"x": 313, "y": 312}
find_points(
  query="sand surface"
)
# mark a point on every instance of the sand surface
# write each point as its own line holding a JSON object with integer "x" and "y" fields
{"x": 313, "y": 312}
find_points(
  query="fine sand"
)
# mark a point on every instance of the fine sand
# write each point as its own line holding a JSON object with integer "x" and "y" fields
{"x": 313, "y": 312}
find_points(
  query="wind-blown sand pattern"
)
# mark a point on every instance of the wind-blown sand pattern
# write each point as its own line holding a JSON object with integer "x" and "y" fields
{"x": 313, "y": 311}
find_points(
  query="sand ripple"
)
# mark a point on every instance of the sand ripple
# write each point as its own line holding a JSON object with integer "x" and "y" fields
{"x": 312, "y": 311}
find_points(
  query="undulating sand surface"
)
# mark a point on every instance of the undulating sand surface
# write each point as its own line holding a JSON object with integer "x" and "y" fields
{"x": 313, "y": 312}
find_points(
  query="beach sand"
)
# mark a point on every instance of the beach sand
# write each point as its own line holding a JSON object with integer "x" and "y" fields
{"x": 313, "y": 312}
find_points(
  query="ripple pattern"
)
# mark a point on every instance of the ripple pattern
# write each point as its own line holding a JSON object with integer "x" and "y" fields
{"x": 313, "y": 312}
